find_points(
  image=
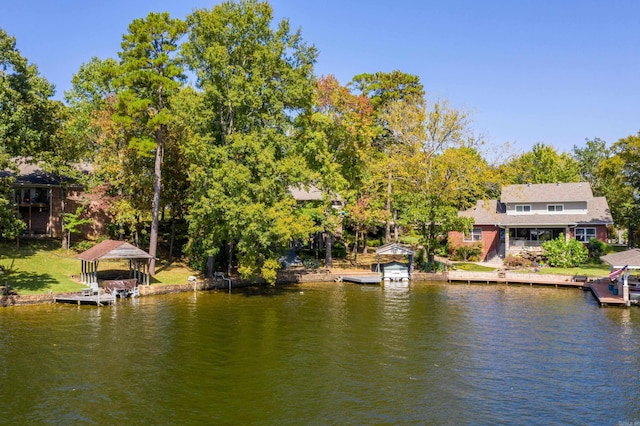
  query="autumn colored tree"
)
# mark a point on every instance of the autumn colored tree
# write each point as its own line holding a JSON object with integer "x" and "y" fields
{"x": 336, "y": 141}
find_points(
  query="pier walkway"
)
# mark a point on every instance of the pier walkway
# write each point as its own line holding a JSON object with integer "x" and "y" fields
{"x": 513, "y": 277}
{"x": 79, "y": 299}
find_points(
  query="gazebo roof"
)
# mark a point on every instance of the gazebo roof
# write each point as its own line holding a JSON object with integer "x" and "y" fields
{"x": 112, "y": 249}
{"x": 630, "y": 258}
{"x": 394, "y": 248}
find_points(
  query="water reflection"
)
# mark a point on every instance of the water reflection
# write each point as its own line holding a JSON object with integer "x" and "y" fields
{"x": 329, "y": 353}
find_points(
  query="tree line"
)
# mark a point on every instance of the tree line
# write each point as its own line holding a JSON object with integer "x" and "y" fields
{"x": 204, "y": 126}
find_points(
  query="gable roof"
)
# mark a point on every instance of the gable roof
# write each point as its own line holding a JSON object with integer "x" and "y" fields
{"x": 394, "y": 248}
{"x": 32, "y": 173}
{"x": 629, "y": 258}
{"x": 546, "y": 192}
{"x": 113, "y": 249}
{"x": 493, "y": 212}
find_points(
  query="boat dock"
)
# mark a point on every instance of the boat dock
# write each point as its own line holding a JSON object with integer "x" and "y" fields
{"x": 509, "y": 277}
{"x": 80, "y": 299}
{"x": 363, "y": 278}
{"x": 604, "y": 295}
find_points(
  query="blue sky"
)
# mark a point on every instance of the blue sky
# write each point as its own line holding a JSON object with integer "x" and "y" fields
{"x": 551, "y": 71}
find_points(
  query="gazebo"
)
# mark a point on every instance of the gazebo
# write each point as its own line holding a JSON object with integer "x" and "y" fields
{"x": 395, "y": 271}
{"x": 111, "y": 250}
{"x": 624, "y": 261}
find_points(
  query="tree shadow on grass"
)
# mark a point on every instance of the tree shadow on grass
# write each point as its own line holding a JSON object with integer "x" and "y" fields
{"x": 27, "y": 247}
{"x": 21, "y": 281}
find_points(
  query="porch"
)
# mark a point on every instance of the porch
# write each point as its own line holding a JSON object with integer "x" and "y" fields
{"x": 530, "y": 239}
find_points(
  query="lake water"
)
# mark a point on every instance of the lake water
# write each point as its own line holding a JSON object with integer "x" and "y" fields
{"x": 332, "y": 353}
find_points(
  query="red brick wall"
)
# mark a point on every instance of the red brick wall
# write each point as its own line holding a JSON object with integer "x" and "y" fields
{"x": 490, "y": 239}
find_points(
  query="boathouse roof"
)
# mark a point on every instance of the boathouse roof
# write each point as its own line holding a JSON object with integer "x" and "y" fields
{"x": 113, "y": 249}
{"x": 394, "y": 248}
{"x": 630, "y": 258}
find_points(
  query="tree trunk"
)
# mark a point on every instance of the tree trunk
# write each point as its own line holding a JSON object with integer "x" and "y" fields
{"x": 153, "y": 236}
{"x": 230, "y": 259}
{"x": 387, "y": 208}
{"x": 172, "y": 239}
{"x": 364, "y": 242}
{"x": 328, "y": 259}
{"x": 395, "y": 225}
{"x": 210, "y": 267}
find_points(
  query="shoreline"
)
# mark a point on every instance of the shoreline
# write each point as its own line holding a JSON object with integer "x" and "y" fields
{"x": 310, "y": 276}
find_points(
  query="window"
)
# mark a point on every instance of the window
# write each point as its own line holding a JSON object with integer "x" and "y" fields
{"x": 475, "y": 235}
{"x": 523, "y": 208}
{"x": 555, "y": 208}
{"x": 585, "y": 234}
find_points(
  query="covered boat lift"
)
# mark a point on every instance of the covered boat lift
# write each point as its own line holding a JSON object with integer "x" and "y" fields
{"x": 114, "y": 250}
{"x": 396, "y": 271}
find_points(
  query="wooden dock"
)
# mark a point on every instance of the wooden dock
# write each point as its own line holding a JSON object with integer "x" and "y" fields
{"x": 513, "y": 277}
{"x": 604, "y": 296}
{"x": 362, "y": 278}
{"x": 79, "y": 299}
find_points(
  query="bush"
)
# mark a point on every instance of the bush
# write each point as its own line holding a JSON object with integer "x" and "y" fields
{"x": 517, "y": 262}
{"x": 596, "y": 249}
{"x": 434, "y": 266}
{"x": 565, "y": 254}
{"x": 338, "y": 250}
{"x": 467, "y": 252}
{"x": 84, "y": 245}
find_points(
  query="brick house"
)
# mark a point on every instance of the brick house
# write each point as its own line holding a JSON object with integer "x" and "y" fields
{"x": 42, "y": 199}
{"x": 527, "y": 215}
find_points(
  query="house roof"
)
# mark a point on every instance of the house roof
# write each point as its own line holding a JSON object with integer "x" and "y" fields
{"x": 30, "y": 173}
{"x": 630, "y": 258}
{"x": 112, "y": 249}
{"x": 493, "y": 212}
{"x": 312, "y": 193}
{"x": 546, "y": 192}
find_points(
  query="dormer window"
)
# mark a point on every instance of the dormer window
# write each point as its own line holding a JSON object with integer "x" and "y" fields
{"x": 555, "y": 208}
{"x": 523, "y": 208}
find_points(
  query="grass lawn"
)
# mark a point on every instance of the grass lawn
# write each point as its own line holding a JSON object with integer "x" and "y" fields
{"x": 593, "y": 271}
{"x": 40, "y": 266}
{"x": 473, "y": 267}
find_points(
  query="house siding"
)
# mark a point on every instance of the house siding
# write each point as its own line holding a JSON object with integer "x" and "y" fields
{"x": 571, "y": 207}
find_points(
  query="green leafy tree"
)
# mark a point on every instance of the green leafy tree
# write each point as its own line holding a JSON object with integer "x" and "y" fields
{"x": 28, "y": 117}
{"x": 255, "y": 79}
{"x": 29, "y": 123}
{"x": 621, "y": 174}
{"x": 151, "y": 75}
{"x": 73, "y": 223}
{"x": 543, "y": 164}
{"x": 590, "y": 159}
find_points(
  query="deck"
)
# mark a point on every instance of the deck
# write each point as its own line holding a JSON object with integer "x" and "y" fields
{"x": 79, "y": 299}
{"x": 362, "y": 278}
{"x": 604, "y": 296}
{"x": 513, "y": 277}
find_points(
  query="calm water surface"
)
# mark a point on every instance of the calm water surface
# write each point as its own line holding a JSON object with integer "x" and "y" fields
{"x": 325, "y": 354}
